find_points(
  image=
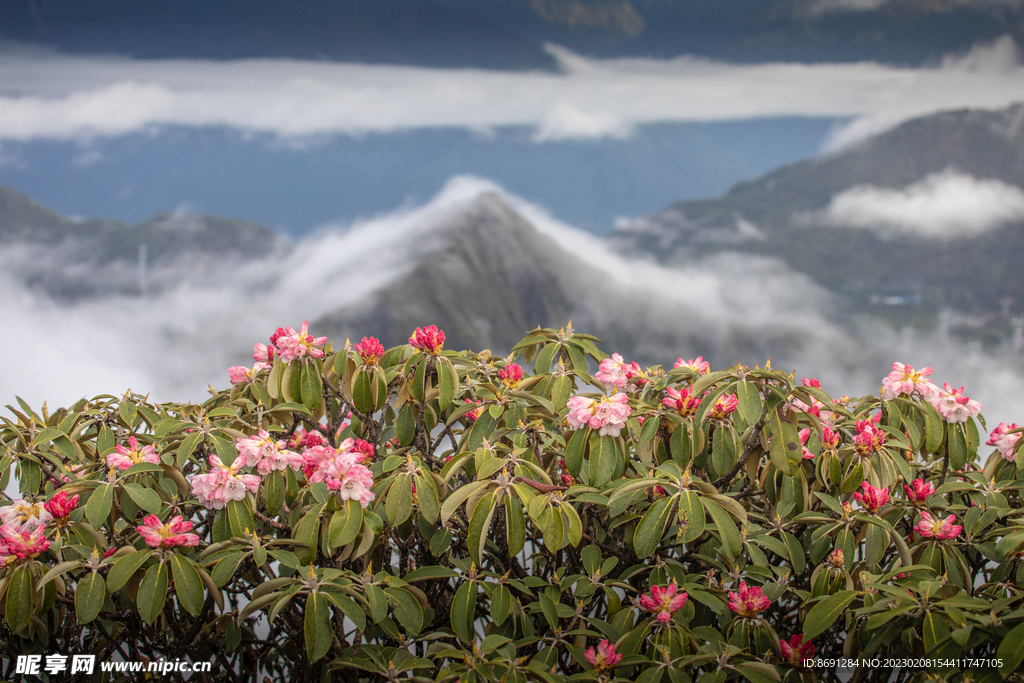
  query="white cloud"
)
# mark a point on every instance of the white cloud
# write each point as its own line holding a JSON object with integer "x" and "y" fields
{"x": 942, "y": 205}
{"x": 48, "y": 95}
{"x": 825, "y": 6}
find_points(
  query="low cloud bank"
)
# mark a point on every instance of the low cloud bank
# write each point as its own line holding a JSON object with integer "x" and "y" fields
{"x": 52, "y": 96}
{"x": 943, "y": 205}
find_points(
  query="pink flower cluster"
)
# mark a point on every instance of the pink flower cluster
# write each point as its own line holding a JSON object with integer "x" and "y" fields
{"x": 608, "y": 415}
{"x": 919, "y": 491}
{"x": 724, "y": 407}
{"x": 239, "y": 374}
{"x": 663, "y": 602}
{"x": 953, "y": 406}
{"x": 266, "y": 453}
{"x": 475, "y": 413}
{"x": 939, "y": 529}
{"x": 124, "y": 457}
{"x": 511, "y": 375}
{"x": 815, "y": 407}
{"x": 905, "y": 381}
{"x": 614, "y": 372}
{"x": 870, "y": 437}
{"x": 370, "y": 350}
{"x": 223, "y": 483}
{"x": 61, "y": 507}
{"x": 173, "y": 533}
{"x": 684, "y": 402}
{"x": 748, "y": 602}
{"x": 805, "y": 435}
{"x": 289, "y": 345}
{"x": 605, "y": 657}
{"x": 21, "y": 544}
{"x": 698, "y": 365}
{"x": 341, "y": 470}
{"x": 1004, "y": 441}
{"x": 872, "y": 498}
{"x": 795, "y": 652}
{"x": 428, "y": 339}
{"x": 22, "y": 515}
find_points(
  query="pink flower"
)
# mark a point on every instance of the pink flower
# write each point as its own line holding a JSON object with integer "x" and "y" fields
{"x": 953, "y": 406}
{"x": 475, "y": 413}
{"x": 303, "y": 439}
{"x": 814, "y": 383}
{"x": 123, "y": 458}
{"x": 663, "y": 601}
{"x": 370, "y": 350}
{"x": 428, "y": 339}
{"x": 223, "y": 483}
{"x": 829, "y": 438}
{"x": 1003, "y": 441}
{"x": 872, "y": 498}
{"x": 904, "y": 380}
{"x": 796, "y": 651}
{"x": 919, "y": 491}
{"x": 511, "y": 375}
{"x": 22, "y": 515}
{"x": 604, "y": 657}
{"x": 724, "y": 407}
{"x": 614, "y": 373}
{"x": 698, "y": 365}
{"x": 266, "y": 453}
{"x": 869, "y": 437}
{"x": 240, "y": 374}
{"x": 263, "y": 354}
{"x": 805, "y": 434}
{"x": 292, "y": 345}
{"x": 109, "y": 551}
{"x": 160, "y": 535}
{"x": 60, "y": 506}
{"x": 21, "y": 544}
{"x": 836, "y": 558}
{"x": 939, "y": 529}
{"x": 339, "y": 468}
{"x": 607, "y": 415}
{"x": 748, "y": 602}
{"x": 684, "y": 402}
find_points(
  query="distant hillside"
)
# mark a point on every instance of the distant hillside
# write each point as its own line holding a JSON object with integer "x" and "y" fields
{"x": 789, "y": 214}
{"x": 72, "y": 260}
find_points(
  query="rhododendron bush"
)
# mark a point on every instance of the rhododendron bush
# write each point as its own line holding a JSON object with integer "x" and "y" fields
{"x": 423, "y": 513}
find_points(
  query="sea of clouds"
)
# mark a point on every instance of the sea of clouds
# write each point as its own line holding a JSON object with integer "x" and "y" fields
{"x": 173, "y": 344}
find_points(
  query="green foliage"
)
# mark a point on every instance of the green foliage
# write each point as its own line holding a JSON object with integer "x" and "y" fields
{"x": 506, "y": 537}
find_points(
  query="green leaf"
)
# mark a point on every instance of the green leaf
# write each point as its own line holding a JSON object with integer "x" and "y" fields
{"x": 723, "y": 450}
{"x": 515, "y": 526}
{"x": 152, "y": 593}
{"x": 501, "y": 605}
{"x": 123, "y": 569}
{"x": 398, "y": 503}
{"x": 362, "y": 391}
{"x": 187, "y": 447}
{"x": 405, "y": 425}
{"x": 317, "y": 627}
{"x": 933, "y": 428}
{"x": 824, "y": 614}
{"x": 651, "y": 528}
{"x": 145, "y": 498}
{"x": 345, "y": 524}
{"x": 463, "y": 612}
{"x": 90, "y": 593}
{"x": 445, "y": 385}
{"x": 479, "y": 526}
{"x": 407, "y": 609}
{"x": 19, "y": 599}
{"x": 934, "y": 630}
{"x": 1011, "y": 650}
{"x": 732, "y": 543}
{"x": 957, "y": 445}
{"x": 187, "y": 584}
{"x": 548, "y": 609}
{"x": 874, "y": 544}
{"x": 604, "y": 454}
{"x": 785, "y": 445}
{"x": 680, "y": 445}
{"x": 128, "y": 412}
{"x": 574, "y": 451}
{"x": 97, "y": 510}
{"x": 274, "y": 486}
{"x": 691, "y": 516}
{"x": 240, "y": 519}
